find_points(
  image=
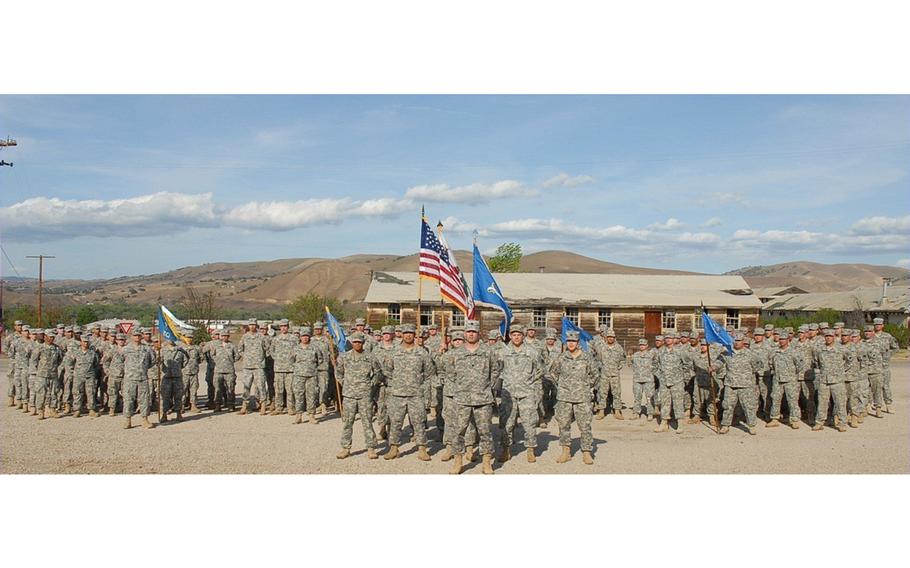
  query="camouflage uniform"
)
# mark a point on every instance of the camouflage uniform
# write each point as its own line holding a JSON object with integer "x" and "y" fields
{"x": 786, "y": 365}
{"x": 446, "y": 372}
{"x": 406, "y": 370}
{"x": 831, "y": 362}
{"x": 380, "y": 392}
{"x": 643, "y": 381}
{"x": 888, "y": 346}
{"x": 762, "y": 353}
{"x": 22, "y": 352}
{"x": 83, "y": 364}
{"x": 323, "y": 390}
{"x": 68, "y": 345}
{"x": 306, "y": 360}
{"x": 34, "y": 352}
{"x": 704, "y": 392}
{"x": 252, "y": 349}
{"x": 224, "y": 354}
{"x": 357, "y": 373}
{"x": 575, "y": 376}
{"x": 610, "y": 359}
{"x": 191, "y": 373}
{"x": 282, "y": 346}
{"x": 136, "y": 362}
{"x": 806, "y": 377}
{"x": 115, "y": 377}
{"x": 740, "y": 370}
{"x": 517, "y": 374}
{"x": 49, "y": 357}
{"x": 548, "y": 387}
{"x": 208, "y": 351}
{"x": 173, "y": 361}
{"x": 673, "y": 367}
{"x": 473, "y": 396}
{"x": 873, "y": 365}
{"x": 852, "y": 384}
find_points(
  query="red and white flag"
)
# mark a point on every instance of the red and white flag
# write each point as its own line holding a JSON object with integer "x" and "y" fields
{"x": 436, "y": 263}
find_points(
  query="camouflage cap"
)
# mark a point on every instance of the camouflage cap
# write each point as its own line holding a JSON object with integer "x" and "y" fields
{"x": 739, "y": 336}
{"x": 803, "y": 328}
{"x": 60, "y": 326}
{"x": 777, "y": 331}
{"x": 855, "y": 332}
{"x": 17, "y": 322}
{"x": 493, "y": 334}
{"x": 38, "y": 331}
{"x": 50, "y": 331}
{"x": 610, "y": 333}
{"x": 358, "y": 337}
{"x": 829, "y": 332}
{"x": 550, "y": 333}
{"x": 433, "y": 326}
{"x": 318, "y": 325}
{"x": 137, "y": 331}
{"x": 224, "y": 331}
{"x": 839, "y": 324}
{"x": 85, "y": 338}
{"x": 408, "y": 328}
{"x": 769, "y": 327}
{"x": 282, "y": 322}
{"x": 823, "y": 325}
{"x": 360, "y": 321}
{"x": 671, "y": 334}
{"x": 603, "y": 328}
{"x": 472, "y": 325}
{"x": 458, "y": 334}
{"x": 571, "y": 336}
{"x": 658, "y": 338}
{"x": 869, "y": 328}
{"x": 517, "y": 328}
{"x": 702, "y": 341}
{"x": 642, "y": 341}
{"x": 26, "y": 327}
{"x": 68, "y": 328}
{"x": 879, "y": 321}
{"x": 305, "y": 330}
{"x": 784, "y": 336}
{"x": 388, "y": 329}
{"x": 813, "y": 326}
{"x": 121, "y": 336}
{"x": 397, "y": 328}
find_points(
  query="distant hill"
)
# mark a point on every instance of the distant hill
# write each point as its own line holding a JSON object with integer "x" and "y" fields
{"x": 818, "y": 277}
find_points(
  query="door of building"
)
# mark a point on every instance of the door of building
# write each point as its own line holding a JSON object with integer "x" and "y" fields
{"x": 653, "y": 324}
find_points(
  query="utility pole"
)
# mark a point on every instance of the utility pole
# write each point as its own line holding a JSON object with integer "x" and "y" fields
{"x": 3, "y": 144}
{"x": 40, "y": 258}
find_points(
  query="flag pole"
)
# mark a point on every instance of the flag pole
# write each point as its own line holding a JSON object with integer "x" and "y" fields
{"x": 160, "y": 397}
{"x": 710, "y": 375}
{"x": 419, "y": 277}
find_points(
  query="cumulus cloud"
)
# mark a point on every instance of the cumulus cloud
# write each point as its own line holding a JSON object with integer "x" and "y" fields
{"x": 712, "y": 222}
{"x": 671, "y": 224}
{"x": 565, "y": 180}
{"x": 472, "y": 194}
{"x": 903, "y": 263}
{"x": 882, "y": 226}
{"x": 287, "y": 215}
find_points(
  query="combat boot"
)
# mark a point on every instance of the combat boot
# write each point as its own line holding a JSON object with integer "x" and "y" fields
{"x": 194, "y": 409}
{"x": 34, "y": 411}
{"x": 794, "y": 424}
{"x": 164, "y": 418}
{"x": 19, "y": 405}
{"x": 888, "y": 409}
{"x": 92, "y": 413}
{"x": 852, "y": 421}
{"x": 457, "y": 465}
{"x": 488, "y": 464}
{"x": 392, "y": 453}
{"x": 773, "y": 424}
{"x": 663, "y": 426}
{"x": 77, "y": 414}
{"x": 10, "y": 401}
{"x": 217, "y": 408}
{"x": 723, "y": 430}
{"x": 565, "y": 456}
{"x": 67, "y": 409}
{"x": 275, "y": 412}
{"x": 371, "y": 454}
{"x": 299, "y": 419}
{"x": 469, "y": 454}
{"x": 505, "y": 455}
{"x": 447, "y": 453}
{"x": 532, "y": 457}
{"x": 128, "y": 423}
{"x": 751, "y": 429}
{"x": 345, "y": 452}
{"x": 244, "y": 407}
{"x": 41, "y": 414}
{"x": 262, "y": 408}
{"x": 111, "y": 411}
{"x": 422, "y": 454}
{"x": 841, "y": 427}
{"x": 179, "y": 415}
{"x": 817, "y": 427}
{"x": 650, "y": 418}
{"x": 146, "y": 423}
{"x": 600, "y": 414}
{"x": 878, "y": 412}
{"x": 617, "y": 414}
{"x": 313, "y": 419}
{"x": 322, "y": 409}
{"x": 586, "y": 457}
{"x": 679, "y": 427}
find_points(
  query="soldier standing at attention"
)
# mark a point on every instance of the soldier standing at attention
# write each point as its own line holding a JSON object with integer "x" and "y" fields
{"x": 852, "y": 383}
{"x": 224, "y": 354}
{"x": 208, "y": 351}
{"x": 806, "y": 375}
{"x": 673, "y": 367}
{"x": 10, "y": 339}
{"x": 643, "y": 381}
{"x": 20, "y": 363}
{"x": 406, "y": 367}
{"x": 305, "y": 359}
{"x": 872, "y": 360}
{"x": 517, "y": 374}
{"x": 115, "y": 377}
{"x": 173, "y": 361}
{"x": 34, "y": 351}
{"x": 551, "y": 348}
{"x": 762, "y": 355}
{"x": 446, "y": 371}
{"x": 705, "y": 372}
{"x": 575, "y": 374}
{"x": 137, "y": 358}
{"x": 68, "y": 344}
{"x": 888, "y": 346}
{"x": 831, "y": 362}
{"x": 252, "y": 349}
{"x": 84, "y": 361}
{"x": 49, "y": 357}
{"x": 321, "y": 342}
{"x": 610, "y": 357}
{"x": 786, "y": 366}
{"x": 357, "y": 371}
{"x": 740, "y": 369}
{"x": 282, "y": 345}
{"x": 472, "y": 367}
{"x": 191, "y": 374}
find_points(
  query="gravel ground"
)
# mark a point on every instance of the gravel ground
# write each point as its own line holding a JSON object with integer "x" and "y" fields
{"x": 230, "y": 443}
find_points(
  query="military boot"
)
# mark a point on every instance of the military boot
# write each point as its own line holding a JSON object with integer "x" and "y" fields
{"x": 469, "y": 454}
{"x": 586, "y": 457}
{"x": 600, "y": 414}
{"x": 19, "y": 405}
{"x": 111, "y": 411}
{"x": 888, "y": 409}
{"x": 817, "y": 427}
{"x": 322, "y": 408}
{"x": 164, "y": 418}
{"x": 565, "y": 456}
{"x": 41, "y": 415}
{"x": 92, "y": 413}
{"x": 244, "y": 408}
{"x": 532, "y": 457}
{"x": 179, "y": 415}
{"x": 663, "y": 426}
{"x": 371, "y": 454}
{"x": 794, "y": 423}
{"x": 723, "y": 430}
{"x": 299, "y": 419}
{"x": 77, "y": 414}
{"x": 67, "y": 409}
{"x": 313, "y": 418}
{"x": 751, "y": 429}
{"x": 127, "y": 424}
{"x": 773, "y": 424}
{"x": 650, "y": 418}
{"x": 35, "y": 411}
{"x": 345, "y": 452}
{"x": 262, "y": 408}
{"x": 617, "y": 414}
{"x": 275, "y": 412}
{"x": 146, "y": 423}
{"x": 217, "y": 408}
{"x": 194, "y": 409}
{"x": 505, "y": 455}
{"x": 11, "y": 401}
{"x": 851, "y": 421}
{"x": 878, "y": 412}
{"x": 457, "y": 464}
{"x": 447, "y": 453}
{"x": 488, "y": 464}
{"x": 392, "y": 453}
{"x": 841, "y": 427}
{"x": 422, "y": 454}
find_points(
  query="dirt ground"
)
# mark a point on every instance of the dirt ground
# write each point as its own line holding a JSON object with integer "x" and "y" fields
{"x": 230, "y": 443}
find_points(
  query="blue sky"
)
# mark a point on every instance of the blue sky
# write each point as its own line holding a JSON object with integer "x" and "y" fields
{"x": 116, "y": 185}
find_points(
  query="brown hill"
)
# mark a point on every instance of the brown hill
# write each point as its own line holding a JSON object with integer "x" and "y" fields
{"x": 818, "y": 277}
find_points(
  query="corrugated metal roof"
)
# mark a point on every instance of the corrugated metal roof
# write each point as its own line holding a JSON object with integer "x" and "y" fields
{"x": 608, "y": 290}
{"x": 898, "y": 300}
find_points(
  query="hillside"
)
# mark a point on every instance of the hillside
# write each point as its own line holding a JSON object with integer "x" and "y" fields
{"x": 818, "y": 277}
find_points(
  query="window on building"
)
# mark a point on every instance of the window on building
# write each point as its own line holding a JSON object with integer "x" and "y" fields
{"x": 572, "y": 315}
{"x": 668, "y": 319}
{"x": 394, "y": 313}
{"x": 457, "y": 318}
{"x": 604, "y": 318}
{"x": 426, "y": 316}
{"x": 696, "y": 319}
{"x": 539, "y": 317}
{"x": 733, "y": 318}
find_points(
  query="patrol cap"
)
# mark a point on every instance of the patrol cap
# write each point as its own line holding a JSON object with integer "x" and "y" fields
{"x": 610, "y": 333}
{"x": 282, "y": 322}
{"x": 571, "y": 336}
{"x": 17, "y": 322}
{"x": 85, "y": 338}
{"x": 457, "y": 334}
{"x": 604, "y": 328}
{"x": 839, "y": 324}
{"x": 671, "y": 334}
{"x": 305, "y": 330}
{"x": 60, "y": 326}
{"x": 68, "y": 328}
{"x": 50, "y": 331}
{"x": 360, "y": 321}
{"x": 823, "y": 325}
{"x": 739, "y": 336}
{"x": 357, "y": 336}
{"x": 785, "y": 335}
{"x": 38, "y": 331}
{"x": 517, "y": 328}
{"x": 642, "y": 341}
{"x": 828, "y": 331}
{"x": 878, "y": 321}
{"x": 137, "y": 331}
{"x": 777, "y": 331}
{"x": 472, "y": 325}
{"x": 433, "y": 326}
{"x": 121, "y": 336}
{"x": 388, "y": 329}
{"x": 658, "y": 338}
{"x": 550, "y": 333}
{"x": 869, "y": 328}
{"x": 318, "y": 325}
{"x": 855, "y": 333}
{"x": 408, "y": 328}
{"x": 813, "y": 326}
{"x": 492, "y": 334}
{"x": 224, "y": 331}
{"x": 803, "y": 328}
{"x": 702, "y": 341}
{"x": 769, "y": 327}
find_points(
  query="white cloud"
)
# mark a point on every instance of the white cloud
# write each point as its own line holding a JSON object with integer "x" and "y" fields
{"x": 882, "y": 226}
{"x": 712, "y": 222}
{"x": 671, "y": 224}
{"x": 903, "y": 263}
{"x": 473, "y": 194}
{"x": 287, "y": 215}
{"x": 565, "y": 180}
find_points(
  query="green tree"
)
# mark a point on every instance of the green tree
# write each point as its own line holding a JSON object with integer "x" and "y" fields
{"x": 86, "y": 315}
{"x": 507, "y": 258}
{"x": 311, "y": 307}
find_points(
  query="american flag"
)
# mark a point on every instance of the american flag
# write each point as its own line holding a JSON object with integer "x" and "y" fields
{"x": 436, "y": 264}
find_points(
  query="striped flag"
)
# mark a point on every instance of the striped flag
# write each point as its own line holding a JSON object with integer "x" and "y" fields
{"x": 436, "y": 264}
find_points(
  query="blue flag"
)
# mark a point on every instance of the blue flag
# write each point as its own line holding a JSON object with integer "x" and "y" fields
{"x": 583, "y": 336}
{"x": 487, "y": 293}
{"x": 164, "y": 329}
{"x": 336, "y": 331}
{"x": 714, "y": 333}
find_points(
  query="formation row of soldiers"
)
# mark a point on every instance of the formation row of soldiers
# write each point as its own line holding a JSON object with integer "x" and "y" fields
{"x": 460, "y": 381}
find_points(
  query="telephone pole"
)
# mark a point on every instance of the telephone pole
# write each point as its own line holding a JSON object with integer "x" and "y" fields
{"x": 40, "y": 258}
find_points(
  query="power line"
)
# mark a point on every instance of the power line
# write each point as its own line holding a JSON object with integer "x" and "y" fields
{"x": 10, "y": 262}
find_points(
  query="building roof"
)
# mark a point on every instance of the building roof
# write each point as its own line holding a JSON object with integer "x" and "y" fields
{"x": 606, "y": 290}
{"x": 775, "y": 291}
{"x": 870, "y": 298}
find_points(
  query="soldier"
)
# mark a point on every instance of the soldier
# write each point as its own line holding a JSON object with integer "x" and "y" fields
{"x": 224, "y": 354}
{"x": 575, "y": 373}
{"x": 34, "y": 351}
{"x": 173, "y": 361}
{"x": 282, "y": 345}
{"x": 740, "y": 369}
{"x": 67, "y": 343}
{"x": 406, "y": 367}
{"x": 643, "y": 381}
{"x": 357, "y": 371}
{"x": 708, "y": 367}
{"x": 888, "y": 346}
{"x": 137, "y": 358}
{"x": 208, "y": 351}
{"x": 190, "y": 376}
{"x": 872, "y": 360}
{"x": 446, "y": 372}
{"x": 852, "y": 384}
{"x": 610, "y": 357}
{"x": 786, "y": 367}
{"x": 83, "y": 361}
{"x": 305, "y": 358}
{"x": 253, "y": 350}
{"x": 48, "y": 359}
{"x": 380, "y": 392}
{"x": 517, "y": 374}
{"x": 9, "y": 347}
{"x": 552, "y": 347}
{"x": 806, "y": 375}
{"x": 18, "y": 354}
{"x": 831, "y": 361}
{"x": 115, "y": 374}
{"x": 762, "y": 353}
{"x": 673, "y": 367}
{"x": 655, "y": 397}
{"x": 323, "y": 388}
{"x": 472, "y": 368}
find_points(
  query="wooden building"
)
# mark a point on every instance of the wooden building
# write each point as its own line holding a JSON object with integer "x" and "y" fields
{"x": 857, "y": 307}
{"x": 634, "y": 305}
